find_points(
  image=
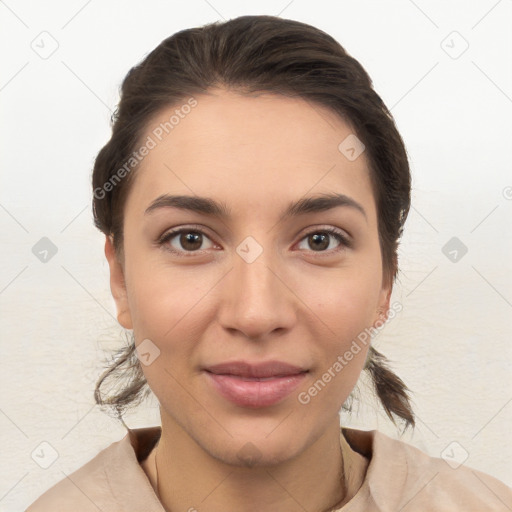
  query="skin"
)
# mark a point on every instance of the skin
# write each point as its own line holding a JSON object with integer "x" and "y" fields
{"x": 293, "y": 303}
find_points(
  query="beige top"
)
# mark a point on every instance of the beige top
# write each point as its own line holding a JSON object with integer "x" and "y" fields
{"x": 395, "y": 476}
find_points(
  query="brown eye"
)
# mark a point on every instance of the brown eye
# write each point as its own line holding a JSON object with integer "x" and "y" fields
{"x": 320, "y": 240}
{"x": 185, "y": 240}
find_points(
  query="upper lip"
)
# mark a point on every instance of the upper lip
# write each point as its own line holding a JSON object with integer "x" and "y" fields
{"x": 255, "y": 370}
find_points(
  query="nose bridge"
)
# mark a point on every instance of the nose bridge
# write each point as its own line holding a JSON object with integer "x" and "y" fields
{"x": 257, "y": 302}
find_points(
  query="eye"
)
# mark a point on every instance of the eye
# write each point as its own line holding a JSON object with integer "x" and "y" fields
{"x": 190, "y": 240}
{"x": 321, "y": 239}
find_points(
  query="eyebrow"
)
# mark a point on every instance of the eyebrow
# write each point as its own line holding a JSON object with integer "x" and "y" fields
{"x": 208, "y": 206}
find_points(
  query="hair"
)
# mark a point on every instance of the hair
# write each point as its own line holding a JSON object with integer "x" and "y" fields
{"x": 252, "y": 54}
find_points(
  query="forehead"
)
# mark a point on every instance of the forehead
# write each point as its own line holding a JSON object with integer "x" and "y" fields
{"x": 250, "y": 149}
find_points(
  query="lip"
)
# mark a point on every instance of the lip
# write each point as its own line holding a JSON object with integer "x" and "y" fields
{"x": 255, "y": 385}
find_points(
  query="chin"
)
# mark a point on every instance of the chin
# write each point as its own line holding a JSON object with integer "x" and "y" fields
{"x": 251, "y": 448}
{"x": 250, "y": 455}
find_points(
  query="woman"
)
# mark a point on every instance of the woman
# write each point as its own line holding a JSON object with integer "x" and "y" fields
{"x": 252, "y": 196}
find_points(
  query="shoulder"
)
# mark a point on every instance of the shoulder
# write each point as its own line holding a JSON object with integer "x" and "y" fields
{"x": 109, "y": 481}
{"x": 83, "y": 490}
{"x": 449, "y": 485}
{"x": 407, "y": 478}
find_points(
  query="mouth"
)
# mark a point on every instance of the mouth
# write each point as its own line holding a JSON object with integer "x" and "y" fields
{"x": 255, "y": 385}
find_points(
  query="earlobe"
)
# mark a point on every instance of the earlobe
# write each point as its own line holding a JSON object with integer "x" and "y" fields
{"x": 118, "y": 285}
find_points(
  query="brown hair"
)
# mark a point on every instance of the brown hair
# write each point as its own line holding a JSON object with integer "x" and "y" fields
{"x": 254, "y": 54}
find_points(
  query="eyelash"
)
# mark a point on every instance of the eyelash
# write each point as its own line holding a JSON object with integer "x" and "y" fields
{"x": 169, "y": 235}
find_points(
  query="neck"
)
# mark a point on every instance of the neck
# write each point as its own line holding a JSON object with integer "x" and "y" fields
{"x": 323, "y": 477}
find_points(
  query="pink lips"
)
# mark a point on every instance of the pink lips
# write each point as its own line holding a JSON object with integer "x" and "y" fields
{"x": 255, "y": 385}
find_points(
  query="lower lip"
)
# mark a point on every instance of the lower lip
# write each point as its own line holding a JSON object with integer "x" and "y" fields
{"x": 255, "y": 393}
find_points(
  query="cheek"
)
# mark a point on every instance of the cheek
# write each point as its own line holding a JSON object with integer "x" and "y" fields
{"x": 347, "y": 304}
{"x": 163, "y": 299}
{"x": 171, "y": 308}
{"x": 167, "y": 310}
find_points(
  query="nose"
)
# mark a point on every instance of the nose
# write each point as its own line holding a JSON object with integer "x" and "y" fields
{"x": 258, "y": 299}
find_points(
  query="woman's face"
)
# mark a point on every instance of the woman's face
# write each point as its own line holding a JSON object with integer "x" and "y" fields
{"x": 235, "y": 291}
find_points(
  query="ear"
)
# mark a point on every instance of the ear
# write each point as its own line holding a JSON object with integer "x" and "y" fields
{"x": 118, "y": 285}
{"x": 383, "y": 306}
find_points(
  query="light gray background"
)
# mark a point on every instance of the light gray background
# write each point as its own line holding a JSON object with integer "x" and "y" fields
{"x": 451, "y": 343}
